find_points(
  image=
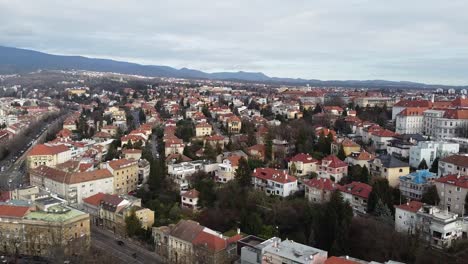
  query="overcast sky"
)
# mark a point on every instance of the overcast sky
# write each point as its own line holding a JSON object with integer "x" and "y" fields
{"x": 414, "y": 40}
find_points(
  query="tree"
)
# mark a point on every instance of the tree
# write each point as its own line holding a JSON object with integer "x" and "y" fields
{"x": 383, "y": 213}
{"x": 381, "y": 190}
{"x": 243, "y": 173}
{"x": 142, "y": 116}
{"x": 431, "y": 196}
{"x": 317, "y": 109}
{"x": 466, "y": 204}
{"x": 293, "y": 168}
{"x": 422, "y": 165}
{"x": 132, "y": 224}
{"x": 365, "y": 175}
{"x": 435, "y": 166}
{"x": 341, "y": 154}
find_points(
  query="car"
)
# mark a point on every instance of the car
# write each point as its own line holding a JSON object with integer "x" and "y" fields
{"x": 120, "y": 243}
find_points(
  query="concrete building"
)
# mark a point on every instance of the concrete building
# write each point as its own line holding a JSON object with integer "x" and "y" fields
{"x": 46, "y": 228}
{"x": 453, "y": 164}
{"x": 125, "y": 174}
{"x": 72, "y": 186}
{"x": 258, "y": 251}
{"x": 406, "y": 218}
{"x": 359, "y": 158}
{"x": 414, "y": 185}
{"x": 47, "y": 155}
{"x": 452, "y": 190}
{"x": 173, "y": 146}
{"x": 227, "y": 169}
{"x": 203, "y": 129}
{"x": 357, "y": 194}
{"x": 189, "y": 242}
{"x": 348, "y": 146}
{"x": 110, "y": 211}
{"x": 410, "y": 121}
{"x": 429, "y": 151}
{"x": 274, "y": 182}
{"x": 388, "y": 167}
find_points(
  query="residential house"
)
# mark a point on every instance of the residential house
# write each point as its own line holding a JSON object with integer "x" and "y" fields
{"x": 414, "y": 185}
{"x": 348, "y": 146}
{"x": 189, "y": 200}
{"x": 302, "y": 165}
{"x": 202, "y": 129}
{"x": 173, "y": 146}
{"x": 388, "y": 167}
{"x": 331, "y": 167}
{"x": 319, "y": 190}
{"x": 274, "y": 182}
{"x": 453, "y": 164}
{"x": 234, "y": 125}
{"x": 357, "y": 194}
{"x": 430, "y": 150}
{"x": 406, "y": 218}
{"x": 359, "y": 158}
{"x": 452, "y": 190}
{"x": 227, "y": 169}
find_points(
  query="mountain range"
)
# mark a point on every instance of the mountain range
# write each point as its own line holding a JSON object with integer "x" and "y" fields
{"x": 15, "y": 60}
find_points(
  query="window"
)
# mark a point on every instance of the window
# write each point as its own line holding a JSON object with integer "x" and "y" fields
{"x": 401, "y": 170}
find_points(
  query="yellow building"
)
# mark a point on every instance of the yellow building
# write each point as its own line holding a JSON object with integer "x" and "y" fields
{"x": 390, "y": 168}
{"x": 234, "y": 125}
{"x": 349, "y": 147}
{"x": 203, "y": 129}
{"x": 49, "y": 231}
{"x": 125, "y": 174}
{"x": 47, "y": 155}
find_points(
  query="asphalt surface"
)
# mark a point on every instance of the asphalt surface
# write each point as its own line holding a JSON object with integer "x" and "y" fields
{"x": 14, "y": 166}
{"x": 107, "y": 241}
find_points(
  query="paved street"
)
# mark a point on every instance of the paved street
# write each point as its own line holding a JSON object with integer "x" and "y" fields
{"x": 106, "y": 241}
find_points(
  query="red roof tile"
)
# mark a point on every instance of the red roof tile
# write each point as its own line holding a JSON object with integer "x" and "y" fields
{"x": 13, "y": 211}
{"x": 357, "y": 189}
{"x": 41, "y": 149}
{"x": 304, "y": 158}
{"x": 321, "y": 184}
{"x": 455, "y": 179}
{"x": 94, "y": 200}
{"x": 412, "y": 206}
{"x": 273, "y": 175}
{"x": 333, "y": 162}
{"x": 212, "y": 242}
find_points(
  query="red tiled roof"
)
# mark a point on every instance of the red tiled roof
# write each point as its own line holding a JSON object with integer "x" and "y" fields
{"x": 414, "y": 103}
{"x": 234, "y": 159}
{"x": 94, "y": 200}
{"x": 13, "y": 211}
{"x": 321, "y": 184}
{"x": 191, "y": 194}
{"x": 273, "y": 175}
{"x": 304, "y": 158}
{"x": 357, "y": 189}
{"x": 335, "y": 162}
{"x": 413, "y": 111}
{"x": 459, "y": 160}
{"x": 384, "y": 133}
{"x": 120, "y": 163}
{"x": 459, "y": 102}
{"x": 412, "y": 206}
{"x": 337, "y": 260}
{"x": 41, "y": 149}
{"x": 455, "y": 179}
{"x": 456, "y": 114}
{"x": 212, "y": 242}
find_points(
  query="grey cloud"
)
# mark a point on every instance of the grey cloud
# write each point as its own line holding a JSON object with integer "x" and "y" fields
{"x": 326, "y": 39}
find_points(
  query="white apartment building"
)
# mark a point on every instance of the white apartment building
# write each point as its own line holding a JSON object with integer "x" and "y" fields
{"x": 410, "y": 121}
{"x": 180, "y": 172}
{"x": 430, "y": 120}
{"x": 73, "y": 187}
{"x": 274, "y": 182}
{"x": 406, "y": 218}
{"x": 453, "y": 164}
{"x": 357, "y": 194}
{"x": 429, "y": 151}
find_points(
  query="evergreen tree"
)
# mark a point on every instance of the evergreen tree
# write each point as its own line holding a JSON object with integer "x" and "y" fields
{"x": 365, "y": 175}
{"x": 210, "y": 153}
{"x": 269, "y": 146}
{"x": 341, "y": 153}
{"x": 435, "y": 166}
{"x": 431, "y": 196}
{"x": 142, "y": 116}
{"x": 317, "y": 109}
{"x": 243, "y": 173}
{"x": 422, "y": 165}
{"x": 383, "y": 213}
{"x": 381, "y": 190}
{"x": 466, "y": 204}
{"x": 132, "y": 224}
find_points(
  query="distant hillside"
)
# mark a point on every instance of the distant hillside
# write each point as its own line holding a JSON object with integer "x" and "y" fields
{"x": 14, "y": 60}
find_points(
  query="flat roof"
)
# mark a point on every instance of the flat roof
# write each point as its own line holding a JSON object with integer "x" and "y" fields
{"x": 62, "y": 214}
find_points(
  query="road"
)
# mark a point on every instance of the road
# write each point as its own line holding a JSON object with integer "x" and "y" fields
{"x": 107, "y": 241}
{"x": 14, "y": 166}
